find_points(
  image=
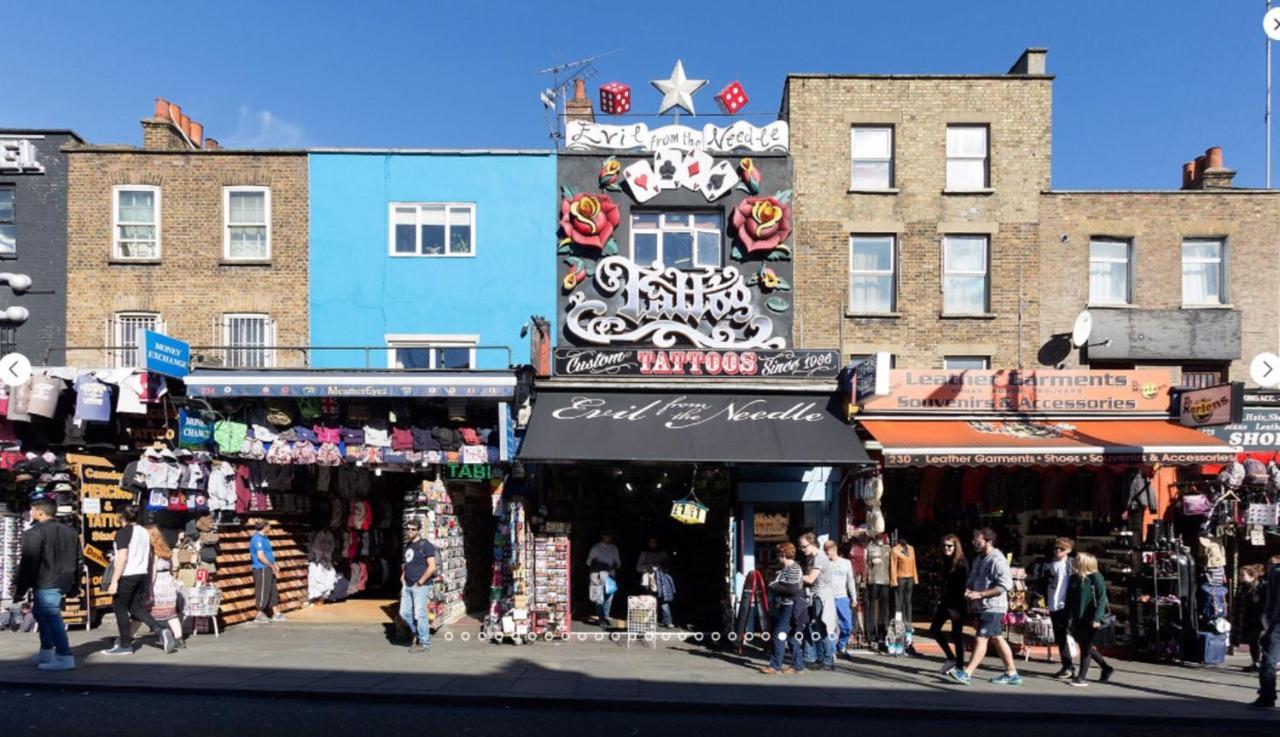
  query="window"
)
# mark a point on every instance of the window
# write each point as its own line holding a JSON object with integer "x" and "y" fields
{"x": 1200, "y": 377}
{"x": 431, "y": 351}
{"x": 1204, "y": 271}
{"x": 681, "y": 240}
{"x": 248, "y": 339}
{"x": 8, "y": 228}
{"x": 871, "y": 274}
{"x": 964, "y": 275}
{"x": 1110, "y": 272}
{"x": 136, "y": 222}
{"x": 966, "y": 363}
{"x": 246, "y": 223}
{"x": 124, "y": 331}
{"x": 433, "y": 229}
{"x": 872, "y": 148}
{"x": 856, "y": 358}
{"x": 966, "y": 157}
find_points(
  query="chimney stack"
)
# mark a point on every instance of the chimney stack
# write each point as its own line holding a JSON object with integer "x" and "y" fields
{"x": 579, "y": 108}
{"x": 1032, "y": 62}
{"x": 1207, "y": 171}
{"x": 169, "y": 129}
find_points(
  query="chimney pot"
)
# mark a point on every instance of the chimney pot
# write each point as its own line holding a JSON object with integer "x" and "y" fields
{"x": 162, "y": 107}
{"x": 1214, "y": 155}
{"x": 579, "y": 89}
{"x": 211, "y": 144}
{"x": 1188, "y": 175}
{"x": 184, "y": 124}
{"x": 1032, "y": 62}
{"x": 175, "y": 113}
{"x": 1200, "y": 167}
{"x": 196, "y": 131}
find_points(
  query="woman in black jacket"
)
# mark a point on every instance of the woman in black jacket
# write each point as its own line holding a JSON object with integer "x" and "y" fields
{"x": 1087, "y": 605}
{"x": 1252, "y": 598}
{"x": 951, "y": 606}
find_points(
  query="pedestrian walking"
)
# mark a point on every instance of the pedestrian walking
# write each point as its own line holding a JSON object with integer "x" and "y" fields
{"x": 48, "y": 568}
{"x": 654, "y": 566}
{"x": 823, "y": 628}
{"x": 417, "y": 580}
{"x": 603, "y": 561}
{"x": 164, "y": 590}
{"x": 951, "y": 605}
{"x": 987, "y": 592}
{"x": 1051, "y": 577}
{"x": 1087, "y": 604}
{"x": 266, "y": 574}
{"x": 845, "y": 590}
{"x": 1270, "y": 640}
{"x": 790, "y": 613}
{"x": 1252, "y": 596}
{"x": 130, "y": 587}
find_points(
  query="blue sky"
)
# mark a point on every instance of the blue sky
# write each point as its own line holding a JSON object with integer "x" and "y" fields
{"x": 1141, "y": 86}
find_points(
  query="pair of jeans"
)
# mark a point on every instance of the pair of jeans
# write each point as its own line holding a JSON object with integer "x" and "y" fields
{"x": 1061, "y": 621}
{"x": 902, "y": 601}
{"x": 877, "y": 611}
{"x": 1084, "y": 633}
{"x": 941, "y": 616}
{"x": 784, "y": 636}
{"x": 844, "y": 618}
{"x": 605, "y": 607}
{"x": 131, "y": 602}
{"x": 1268, "y": 664}
{"x": 47, "y": 610}
{"x": 413, "y": 610}
{"x": 664, "y": 614}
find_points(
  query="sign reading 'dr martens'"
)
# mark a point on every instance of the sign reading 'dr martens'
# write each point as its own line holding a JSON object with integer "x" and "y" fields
{"x": 683, "y": 363}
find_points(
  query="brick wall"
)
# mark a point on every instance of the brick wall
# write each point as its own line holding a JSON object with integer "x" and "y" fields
{"x": 191, "y": 286}
{"x": 1157, "y": 222}
{"x": 821, "y": 111}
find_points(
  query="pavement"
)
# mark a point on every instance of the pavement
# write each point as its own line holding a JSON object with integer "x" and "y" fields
{"x": 359, "y": 663}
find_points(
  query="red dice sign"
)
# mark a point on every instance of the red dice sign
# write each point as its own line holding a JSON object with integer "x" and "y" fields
{"x": 615, "y": 98}
{"x": 732, "y": 98}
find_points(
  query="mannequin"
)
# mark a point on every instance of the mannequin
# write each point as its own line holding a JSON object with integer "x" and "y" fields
{"x": 879, "y": 578}
{"x": 903, "y": 578}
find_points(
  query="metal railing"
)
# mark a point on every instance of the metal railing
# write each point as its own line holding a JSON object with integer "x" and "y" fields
{"x": 284, "y": 356}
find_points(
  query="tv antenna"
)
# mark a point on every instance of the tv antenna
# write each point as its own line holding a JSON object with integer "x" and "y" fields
{"x": 553, "y": 97}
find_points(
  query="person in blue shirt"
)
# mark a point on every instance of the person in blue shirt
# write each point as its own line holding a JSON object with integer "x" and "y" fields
{"x": 417, "y": 579}
{"x": 265, "y": 574}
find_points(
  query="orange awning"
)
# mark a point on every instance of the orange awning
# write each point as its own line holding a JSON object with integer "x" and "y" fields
{"x": 1044, "y": 443}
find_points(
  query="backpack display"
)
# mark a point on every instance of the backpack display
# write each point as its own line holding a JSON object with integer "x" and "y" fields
{"x": 1213, "y": 601}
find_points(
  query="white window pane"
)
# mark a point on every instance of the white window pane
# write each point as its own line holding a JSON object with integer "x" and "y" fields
{"x": 965, "y": 174}
{"x": 708, "y": 249}
{"x": 1108, "y": 283}
{"x": 460, "y": 216}
{"x": 871, "y": 293}
{"x": 1109, "y": 250}
{"x": 413, "y": 358}
{"x": 964, "y": 295}
{"x": 137, "y": 232}
{"x": 432, "y": 237}
{"x": 138, "y": 249}
{"x": 453, "y": 358}
{"x": 6, "y": 205}
{"x": 644, "y": 220}
{"x": 706, "y": 221}
{"x": 248, "y": 208}
{"x": 1201, "y": 249}
{"x": 966, "y": 141}
{"x": 964, "y": 253}
{"x": 1200, "y": 283}
{"x": 965, "y": 363}
{"x": 677, "y": 250}
{"x": 404, "y": 238}
{"x": 8, "y": 238}
{"x": 459, "y": 239}
{"x": 872, "y": 254}
{"x": 645, "y": 247}
{"x": 248, "y": 241}
{"x": 137, "y": 206}
{"x": 872, "y": 143}
{"x": 431, "y": 214}
{"x": 870, "y": 175}
{"x": 405, "y": 216}
{"x": 675, "y": 219}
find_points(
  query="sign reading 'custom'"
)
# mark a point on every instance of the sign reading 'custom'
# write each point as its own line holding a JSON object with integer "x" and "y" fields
{"x": 790, "y": 364}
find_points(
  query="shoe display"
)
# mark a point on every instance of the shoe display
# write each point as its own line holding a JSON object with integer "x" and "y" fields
{"x": 1007, "y": 679}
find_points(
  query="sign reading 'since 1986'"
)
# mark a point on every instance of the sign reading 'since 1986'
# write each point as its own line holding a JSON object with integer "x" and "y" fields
{"x": 683, "y": 363}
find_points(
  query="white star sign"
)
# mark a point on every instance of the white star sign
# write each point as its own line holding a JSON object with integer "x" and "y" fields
{"x": 677, "y": 92}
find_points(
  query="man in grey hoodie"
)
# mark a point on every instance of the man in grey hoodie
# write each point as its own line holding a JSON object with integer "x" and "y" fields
{"x": 988, "y": 593}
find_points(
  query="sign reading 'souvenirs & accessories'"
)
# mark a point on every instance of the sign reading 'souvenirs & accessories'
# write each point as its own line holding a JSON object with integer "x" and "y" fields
{"x": 1025, "y": 392}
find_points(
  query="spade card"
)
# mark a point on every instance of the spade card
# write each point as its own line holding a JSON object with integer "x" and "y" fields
{"x": 642, "y": 181}
{"x": 668, "y": 165}
{"x": 694, "y": 170}
{"x": 720, "y": 181}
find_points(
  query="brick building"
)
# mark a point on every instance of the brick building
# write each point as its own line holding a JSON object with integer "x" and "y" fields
{"x": 204, "y": 243}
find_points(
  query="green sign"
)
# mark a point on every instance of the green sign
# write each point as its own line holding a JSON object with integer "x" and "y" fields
{"x": 468, "y": 471}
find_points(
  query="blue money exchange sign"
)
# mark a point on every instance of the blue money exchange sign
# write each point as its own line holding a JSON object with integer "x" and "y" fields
{"x": 164, "y": 355}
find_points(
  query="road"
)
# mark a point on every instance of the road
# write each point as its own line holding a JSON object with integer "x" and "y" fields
{"x": 73, "y": 713}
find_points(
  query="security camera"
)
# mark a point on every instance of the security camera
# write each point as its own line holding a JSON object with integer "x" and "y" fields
{"x": 1064, "y": 237}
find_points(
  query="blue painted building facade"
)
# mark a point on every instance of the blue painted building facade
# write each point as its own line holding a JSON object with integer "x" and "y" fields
{"x": 428, "y": 257}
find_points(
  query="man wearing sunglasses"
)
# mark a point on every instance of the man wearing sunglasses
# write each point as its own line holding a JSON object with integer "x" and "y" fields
{"x": 1050, "y": 579}
{"x": 417, "y": 579}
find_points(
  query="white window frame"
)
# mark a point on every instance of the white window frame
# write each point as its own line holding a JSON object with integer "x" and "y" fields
{"x": 692, "y": 228}
{"x": 118, "y": 355}
{"x": 115, "y": 220}
{"x": 854, "y": 159}
{"x": 1128, "y": 268}
{"x": 1221, "y": 261}
{"x": 984, "y": 360}
{"x": 12, "y": 221}
{"x": 227, "y": 224}
{"x": 985, "y": 158}
{"x": 985, "y": 273}
{"x": 892, "y": 273}
{"x": 268, "y": 334}
{"x": 396, "y": 341}
{"x": 417, "y": 229}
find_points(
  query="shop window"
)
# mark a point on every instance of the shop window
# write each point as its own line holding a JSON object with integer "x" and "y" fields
{"x": 966, "y": 363}
{"x": 872, "y": 154}
{"x": 431, "y": 352}
{"x": 680, "y": 240}
{"x": 440, "y": 229}
{"x": 1199, "y": 377}
{"x": 246, "y": 223}
{"x": 1204, "y": 271}
{"x": 967, "y": 158}
{"x": 124, "y": 331}
{"x": 856, "y": 358}
{"x": 135, "y": 223}
{"x": 1110, "y": 271}
{"x": 964, "y": 275}
{"x": 872, "y": 275}
{"x": 248, "y": 340}
{"x": 8, "y": 225}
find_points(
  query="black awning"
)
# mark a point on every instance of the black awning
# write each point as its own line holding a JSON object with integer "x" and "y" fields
{"x": 691, "y": 427}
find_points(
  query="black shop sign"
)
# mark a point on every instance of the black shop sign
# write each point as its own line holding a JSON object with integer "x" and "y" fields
{"x": 685, "y": 363}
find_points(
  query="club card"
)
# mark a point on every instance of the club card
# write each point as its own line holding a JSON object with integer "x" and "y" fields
{"x": 667, "y": 165}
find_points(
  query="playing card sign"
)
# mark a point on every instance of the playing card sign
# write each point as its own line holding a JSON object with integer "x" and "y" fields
{"x": 721, "y": 180}
{"x": 641, "y": 180}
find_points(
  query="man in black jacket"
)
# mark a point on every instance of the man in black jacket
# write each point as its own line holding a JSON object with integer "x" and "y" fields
{"x": 50, "y": 555}
{"x": 1049, "y": 579}
{"x": 1270, "y": 640}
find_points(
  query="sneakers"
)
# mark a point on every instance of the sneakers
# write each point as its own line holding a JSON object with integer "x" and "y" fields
{"x": 278, "y": 618}
{"x": 118, "y": 650}
{"x": 261, "y": 619}
{"x": 42, "y": 657}
{"x": 168, "y": 642}
{"x": 959, "y": 676}
{"x": 182, "y": 644}
{"x": 1078, "y": 683}
{"x": 1263, "y": 704}
{"x": 417, "y": 647}
{"x": 769, "y": 670}
{"x": 59, "y": 662}
{"x": 946, "y": 667}
{"x": 1065, "y": 674}
{"x": 1007, "y": 679}
{"x": 1106, "y": 674}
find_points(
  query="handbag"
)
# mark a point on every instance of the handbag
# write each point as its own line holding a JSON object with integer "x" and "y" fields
{"x": 1196, "y": 505}
{"x": 108, "y": 573}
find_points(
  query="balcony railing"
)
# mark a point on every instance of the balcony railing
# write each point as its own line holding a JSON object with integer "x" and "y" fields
{"x": 281, "y": 356}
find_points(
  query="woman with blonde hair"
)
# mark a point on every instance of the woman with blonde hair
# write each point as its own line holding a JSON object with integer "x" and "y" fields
{"x": 164, "y": 590}
{"x": 1087, "y": 607}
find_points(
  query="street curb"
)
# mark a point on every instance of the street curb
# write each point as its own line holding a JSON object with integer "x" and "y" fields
{"x": 511, "y": 701}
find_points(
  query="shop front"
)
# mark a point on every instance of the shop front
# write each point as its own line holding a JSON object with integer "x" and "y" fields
{"x": 1092, "y": 456}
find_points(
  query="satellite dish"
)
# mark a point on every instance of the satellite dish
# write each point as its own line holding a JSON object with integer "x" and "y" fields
{"x": 1084, "y": 326}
